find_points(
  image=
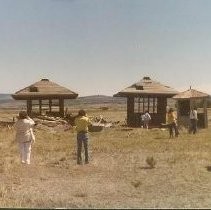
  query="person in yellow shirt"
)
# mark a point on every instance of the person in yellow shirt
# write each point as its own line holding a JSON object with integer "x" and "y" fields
{"x": 172, "y": 123}
{"x": 82, "y": 122}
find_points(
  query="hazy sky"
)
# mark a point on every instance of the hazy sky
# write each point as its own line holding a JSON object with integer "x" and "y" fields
{"x": 103, "y": 46}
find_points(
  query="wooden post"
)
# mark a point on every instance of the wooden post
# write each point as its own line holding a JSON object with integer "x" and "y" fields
{"x": 161, "y": 110}
{"x": 61, "y": 107}
{"x": 130, "y": 110}
{"x": 139, "y": 109}
{"x": 191, "y": 104}
{"x": 205, "y": 113}
{"x": 40, "y": 106}
{"x": 178, "y": 113}
{"x": 29, "y": 107}
{"x": 143, "y": 104}
{"x": 50, "y": 105}
{"x": 153, "y": 106}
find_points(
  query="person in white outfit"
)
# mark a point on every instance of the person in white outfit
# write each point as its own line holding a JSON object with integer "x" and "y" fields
{"x": 24, "y": 136}
{"x": 146, "y": 119}
{"x": 193, "y": 120}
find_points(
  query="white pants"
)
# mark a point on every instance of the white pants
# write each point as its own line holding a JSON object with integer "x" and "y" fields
{"x": 25, "y": 151}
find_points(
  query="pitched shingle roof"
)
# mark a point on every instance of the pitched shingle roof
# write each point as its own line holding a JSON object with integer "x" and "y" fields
{"x": 191, "y": 93}
{"x": 44, "y": 89}
{"x": 147, "y": 86}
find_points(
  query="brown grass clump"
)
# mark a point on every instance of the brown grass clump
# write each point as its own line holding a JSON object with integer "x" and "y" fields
{"x": 151, "y": 161}
{"x": 136, "y": 183}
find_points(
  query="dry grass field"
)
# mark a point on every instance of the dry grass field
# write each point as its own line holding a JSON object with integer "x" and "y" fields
{"x": 117, "y": 176}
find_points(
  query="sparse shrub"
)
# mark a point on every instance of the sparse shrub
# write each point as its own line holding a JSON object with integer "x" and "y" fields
{"x": 63, "y": 159}
{"x": 136, "y": 183}
{"x": 104, "y": 108}
{"x": 151, "y": 161}
{"x": 81, "y": 194}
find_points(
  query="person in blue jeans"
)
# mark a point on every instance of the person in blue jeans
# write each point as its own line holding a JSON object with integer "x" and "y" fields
{"x": 82, "y": 122}
{"x": 172, "y": 123}
{"x": 193, "y": 120}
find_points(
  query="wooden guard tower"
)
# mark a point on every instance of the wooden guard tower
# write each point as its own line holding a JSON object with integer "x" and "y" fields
{"x": 189, "y": 99}
{"x": 150, "y": 95}
{"x": 44, "y": 94}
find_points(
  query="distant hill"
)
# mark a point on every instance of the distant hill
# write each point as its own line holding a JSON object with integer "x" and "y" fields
{"x": 5, "y": 96}
{"x": 6, "y": 100}
{"x": 97, "y": 99}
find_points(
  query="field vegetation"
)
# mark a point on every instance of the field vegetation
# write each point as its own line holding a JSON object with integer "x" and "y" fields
{"x": 119, "y": 174}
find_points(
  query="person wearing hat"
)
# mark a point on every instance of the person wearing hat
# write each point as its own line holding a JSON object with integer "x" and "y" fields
{"x": 172, "y": 123}
{"x": 24, "y": 136}
{"x": 82, "y": 122}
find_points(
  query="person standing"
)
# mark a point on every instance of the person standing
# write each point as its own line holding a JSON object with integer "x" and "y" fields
{"x": 24, "y": 136}
{"x": 172, "y": 123}
{"x": 82, "y": 122}
{"x": 146, "y": 119}
{"x": 142, "y": 120}
{"x": 193, "y": 120}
